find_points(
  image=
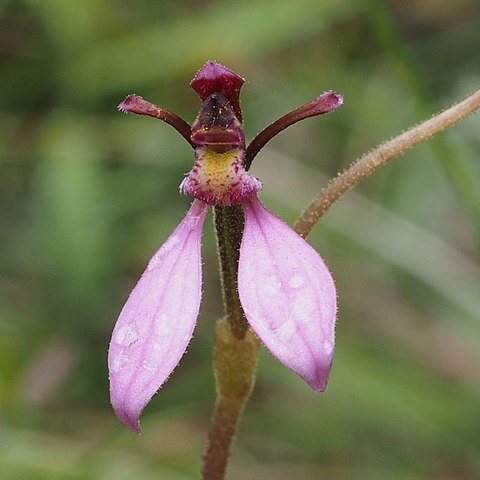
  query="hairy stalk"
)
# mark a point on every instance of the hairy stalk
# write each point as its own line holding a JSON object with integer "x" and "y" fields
{"x": 380, "y": 156}
{"x": 235, "y": 365}
{"x": 454, "y": 167}
{"x": 236, "y": 348}
{"x": 229, "y": 229}
{"x": 226, "y": 416}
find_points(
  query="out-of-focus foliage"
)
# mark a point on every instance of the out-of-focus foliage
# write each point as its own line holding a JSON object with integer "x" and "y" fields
{"x": 87, "y": 194}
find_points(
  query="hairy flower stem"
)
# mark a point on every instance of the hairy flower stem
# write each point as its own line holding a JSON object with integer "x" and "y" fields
{"x": 235, "y": 348}
{"x": 229, "y": 229}
{"x": 378, "y": 157}
{"x": 235, "y": 365}
{"x": 226, "y": 416}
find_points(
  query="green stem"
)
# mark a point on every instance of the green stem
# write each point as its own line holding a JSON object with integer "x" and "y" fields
{"x": 235, "y": 366}
{"x": 236, "y": 348}
{"x": 229, "y": 229}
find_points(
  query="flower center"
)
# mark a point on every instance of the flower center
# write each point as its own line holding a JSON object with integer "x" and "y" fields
{"x": 220, "y": 178}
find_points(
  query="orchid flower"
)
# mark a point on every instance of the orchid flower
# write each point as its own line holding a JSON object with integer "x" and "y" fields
{"x": 285, "y": 289}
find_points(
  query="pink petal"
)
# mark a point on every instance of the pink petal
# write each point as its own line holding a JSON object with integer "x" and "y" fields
{"x": 288, "y": 295}
{"x": 157, "y": 322}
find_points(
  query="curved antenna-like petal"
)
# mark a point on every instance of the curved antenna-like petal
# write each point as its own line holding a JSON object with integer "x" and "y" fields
{"x": 157, "y": 322}
{"x": 288, "y": 295}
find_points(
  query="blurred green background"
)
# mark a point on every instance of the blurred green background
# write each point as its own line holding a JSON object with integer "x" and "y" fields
{"x": 88, "y": 194}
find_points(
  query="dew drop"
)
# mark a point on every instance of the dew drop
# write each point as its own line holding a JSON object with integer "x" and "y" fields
{"x": 126, "y": 335}
{"x": 161, "y": 325}
{"x": 327, "y": 347}
{"x": 146, "y": 365}
{"x": 166, "y": 247}
{"x": 296, "y": 281}
{"x": 273, "y": 286}
{"x": 303, "y": 308}
{"x": 118, "y": 362}
{"x": 287, "y": 331}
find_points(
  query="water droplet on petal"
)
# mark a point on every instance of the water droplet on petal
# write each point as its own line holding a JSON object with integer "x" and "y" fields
{"x": 126, "y": 335}
{"x": 118, "y": 362}
{"x": 161, "y": 325}
{"x": 287, "y": 331}
{"x": 146, "y": 365}
{"x": 296, "y": 281}
{"x": 303, "y": 308}
{"x": 327, "y": 347}
{"x": 166, "y": 247}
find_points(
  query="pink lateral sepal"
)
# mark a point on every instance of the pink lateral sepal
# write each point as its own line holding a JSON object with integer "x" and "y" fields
{"x": 157, "y": 322}
{"x": 288, "y": 295}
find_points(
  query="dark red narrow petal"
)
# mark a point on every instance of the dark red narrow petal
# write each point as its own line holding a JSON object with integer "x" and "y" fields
{"x": 325, "y": 103}
{"x": 138, "y": 105}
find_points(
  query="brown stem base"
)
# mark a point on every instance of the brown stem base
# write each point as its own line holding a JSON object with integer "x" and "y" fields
{"x": 220, "y": 436}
